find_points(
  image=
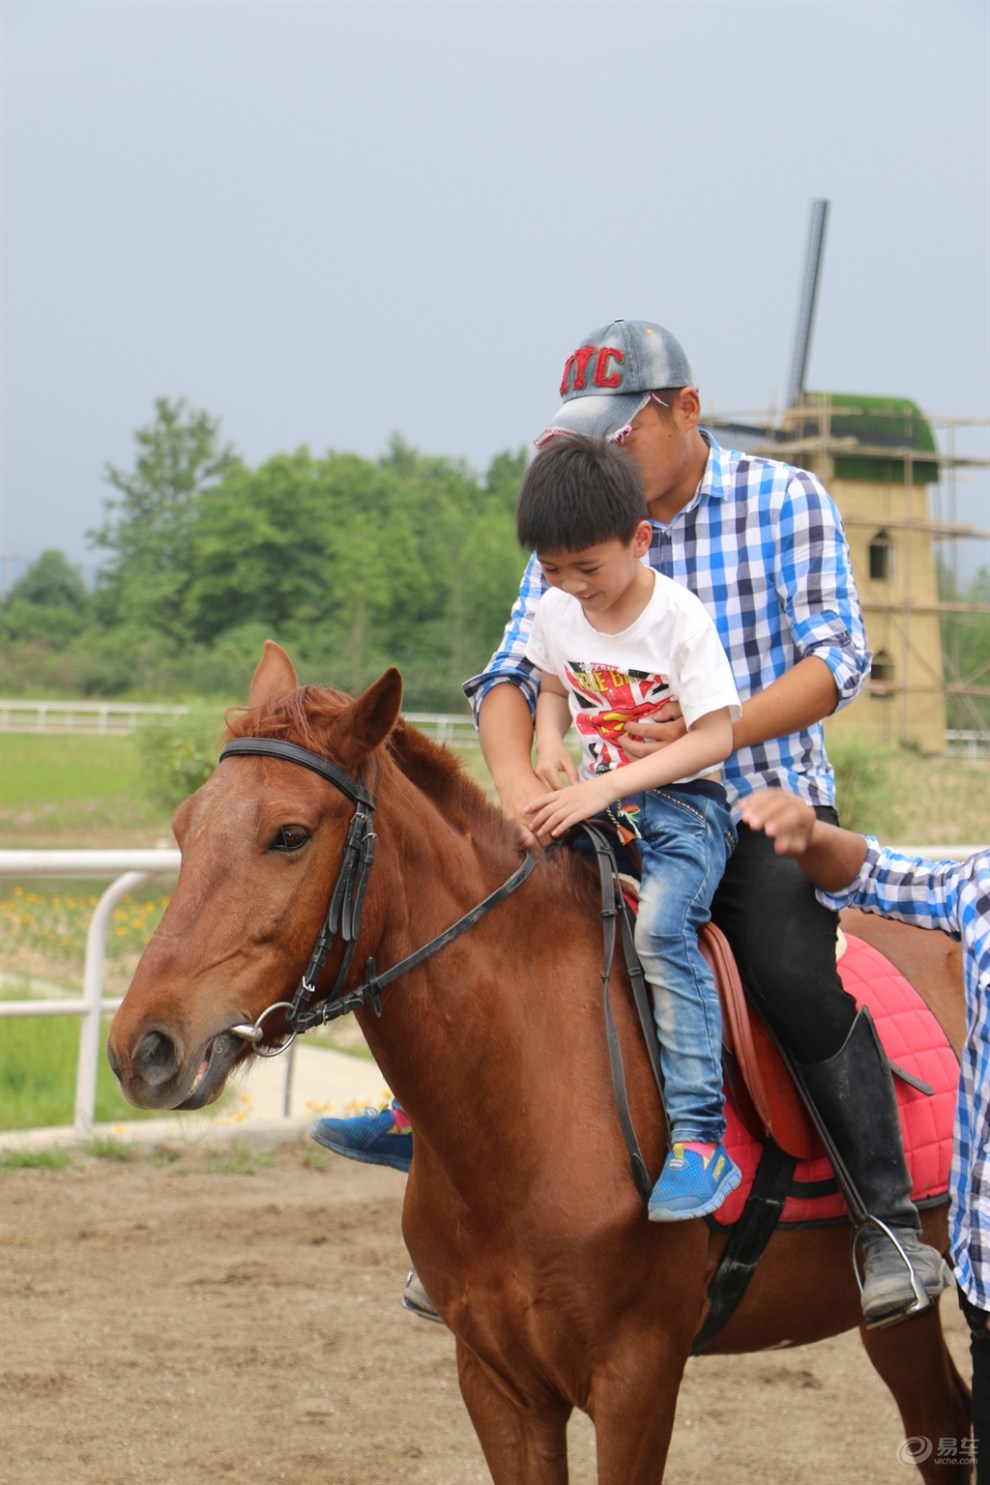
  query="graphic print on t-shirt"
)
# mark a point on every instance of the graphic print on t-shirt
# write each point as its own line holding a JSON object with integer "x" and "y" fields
{"x": 608, "y": 700}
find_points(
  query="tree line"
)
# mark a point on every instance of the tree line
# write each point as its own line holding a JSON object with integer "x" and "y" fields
{"x": 351, "y": 563}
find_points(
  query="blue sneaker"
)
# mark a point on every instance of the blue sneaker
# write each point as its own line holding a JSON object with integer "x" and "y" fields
{"x": 691, "y": 1186}
{"x": 371, "y": 1137}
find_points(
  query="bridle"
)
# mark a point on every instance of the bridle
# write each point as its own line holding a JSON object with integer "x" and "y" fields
{"x": 343, "y": 915}
{"x": 343, "y": 922}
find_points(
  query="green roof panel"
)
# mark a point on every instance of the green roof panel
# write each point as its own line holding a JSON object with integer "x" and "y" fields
{"x": 880, "y": 424}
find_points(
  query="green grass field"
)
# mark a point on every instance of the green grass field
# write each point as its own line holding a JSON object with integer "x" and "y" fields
{"x": 75, "y": 791}
{"x": 42, "y": 766}
{"x": 38, "y": 1076}
{"x": 88, "y": 792}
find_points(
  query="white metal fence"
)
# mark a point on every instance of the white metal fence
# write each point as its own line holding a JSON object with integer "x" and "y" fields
{"x": 121, "y": 717}
{"x": 968, "y": 744}
{"x": 131, "y": 869}
{"x": 82, "y": 717}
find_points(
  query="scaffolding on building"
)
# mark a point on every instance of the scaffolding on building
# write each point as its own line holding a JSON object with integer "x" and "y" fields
{"x": 895, "y": 474}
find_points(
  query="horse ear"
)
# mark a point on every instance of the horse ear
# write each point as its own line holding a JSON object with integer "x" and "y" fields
{"x": 275, "y": 674}
{"x": 371, "y": 718}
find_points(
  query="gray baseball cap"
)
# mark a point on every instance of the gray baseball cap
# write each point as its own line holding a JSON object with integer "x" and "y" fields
{"x": 611, "y": 375}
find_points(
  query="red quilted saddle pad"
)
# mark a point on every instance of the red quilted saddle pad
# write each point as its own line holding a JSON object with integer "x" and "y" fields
{"x": 914, "y": 1040}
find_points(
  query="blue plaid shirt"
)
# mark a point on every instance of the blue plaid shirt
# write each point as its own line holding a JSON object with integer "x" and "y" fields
{"x": 953, "y": 896}
{"x": 762, "y": 545}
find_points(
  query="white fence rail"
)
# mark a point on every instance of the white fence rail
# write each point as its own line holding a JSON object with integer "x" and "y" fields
{"x": 82, "y": 716}
{"x": 122, "y": 717}
{"x": 131, "y": 869}
{"x": 968, "y": 744}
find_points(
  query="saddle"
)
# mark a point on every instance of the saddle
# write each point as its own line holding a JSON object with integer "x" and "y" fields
{"x": 787, "y": 1176}
{"x": 763, "y": 1102}
{"x": 758, "y": 1080}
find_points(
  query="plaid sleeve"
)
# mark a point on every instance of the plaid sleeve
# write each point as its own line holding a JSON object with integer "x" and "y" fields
{"x": 817, "y": 587}
{"x": 509, "y": 661}
{"x": 909, "y": 888}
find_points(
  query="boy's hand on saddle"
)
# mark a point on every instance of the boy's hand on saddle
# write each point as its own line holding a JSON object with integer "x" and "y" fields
{"x": 787, "y": 820}
{"x": 552, "y": 814}
{"x": 640, "y": 739}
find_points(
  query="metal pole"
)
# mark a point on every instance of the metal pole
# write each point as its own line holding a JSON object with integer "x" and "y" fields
{"x": 89, "y": 1034}
{"x": 806, "y": 304}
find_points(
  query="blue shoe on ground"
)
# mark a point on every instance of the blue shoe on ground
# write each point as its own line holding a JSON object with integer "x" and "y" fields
{"x": 691, "y": 1186}
{"x": 370, "y": 1137}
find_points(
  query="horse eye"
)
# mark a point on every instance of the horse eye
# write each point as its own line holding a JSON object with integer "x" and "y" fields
{"x": 289, "y": 838}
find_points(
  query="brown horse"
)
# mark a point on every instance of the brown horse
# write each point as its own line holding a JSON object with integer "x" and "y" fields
{"x": 520, "y": 1213}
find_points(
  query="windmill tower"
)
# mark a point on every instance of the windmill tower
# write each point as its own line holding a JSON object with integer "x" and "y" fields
{"x": 878, "y": 458}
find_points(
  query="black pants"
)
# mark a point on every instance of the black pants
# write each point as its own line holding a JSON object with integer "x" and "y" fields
{"x": 979, "y": 1344}
{"x": 784, "y": 943}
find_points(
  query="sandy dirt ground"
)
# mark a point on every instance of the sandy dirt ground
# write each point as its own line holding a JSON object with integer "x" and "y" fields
{"x": 194, "y": 1317}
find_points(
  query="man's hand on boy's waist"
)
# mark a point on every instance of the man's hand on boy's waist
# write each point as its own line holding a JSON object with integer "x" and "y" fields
{"x": 640, "y": 739}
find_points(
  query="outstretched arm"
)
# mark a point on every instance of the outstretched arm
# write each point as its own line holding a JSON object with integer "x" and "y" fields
{"x": 829, "y": 855}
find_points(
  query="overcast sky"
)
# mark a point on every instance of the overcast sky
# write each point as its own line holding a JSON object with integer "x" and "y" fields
{"x": 325, "y": 222}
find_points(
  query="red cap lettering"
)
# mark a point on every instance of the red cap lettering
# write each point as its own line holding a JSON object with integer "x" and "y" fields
{"x": 578, "y": 363}
{"x": 601, "y": 377}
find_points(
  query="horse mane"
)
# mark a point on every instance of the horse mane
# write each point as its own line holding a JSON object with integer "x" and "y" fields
{"x": 301, "y": 716}
{"x": 439, "y": 774}
{"x": 306, "y": 716}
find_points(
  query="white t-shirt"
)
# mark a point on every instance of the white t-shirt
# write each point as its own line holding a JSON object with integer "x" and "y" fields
{"x": 671, "y": 652}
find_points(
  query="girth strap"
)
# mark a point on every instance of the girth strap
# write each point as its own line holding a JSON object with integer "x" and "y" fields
{"x": 747, "y": 1241}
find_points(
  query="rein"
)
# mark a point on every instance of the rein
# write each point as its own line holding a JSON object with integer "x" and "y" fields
{"x": 343, "y": 917}
{"x": 343, "y": 922}
{"x": 615, "y": 921}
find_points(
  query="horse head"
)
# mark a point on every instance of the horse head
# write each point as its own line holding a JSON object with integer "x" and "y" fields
{"x": 260, "y": 842}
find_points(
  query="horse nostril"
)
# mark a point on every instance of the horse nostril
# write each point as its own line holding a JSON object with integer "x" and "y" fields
{"x": 155, "y": 1057}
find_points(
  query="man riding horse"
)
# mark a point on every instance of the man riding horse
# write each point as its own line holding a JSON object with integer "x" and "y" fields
{"x": 761, "y": 544}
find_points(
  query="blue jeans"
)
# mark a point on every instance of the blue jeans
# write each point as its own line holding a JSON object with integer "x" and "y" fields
{"x": 686, "y": 840}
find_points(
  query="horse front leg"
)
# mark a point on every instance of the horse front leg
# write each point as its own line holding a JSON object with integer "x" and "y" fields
{"x": 524, "y": 1442}
{"x": 633, "y": 1403}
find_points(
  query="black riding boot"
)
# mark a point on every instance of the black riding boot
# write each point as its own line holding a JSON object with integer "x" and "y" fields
{"x": 851, "y": 1097}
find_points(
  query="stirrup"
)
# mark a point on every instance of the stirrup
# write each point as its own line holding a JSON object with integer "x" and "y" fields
{"x": 922, "y": 1298}
{"x": 416, "y": 1300}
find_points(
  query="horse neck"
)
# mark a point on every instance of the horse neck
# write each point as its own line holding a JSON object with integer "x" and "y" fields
{"x": 482, "y": 1021}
